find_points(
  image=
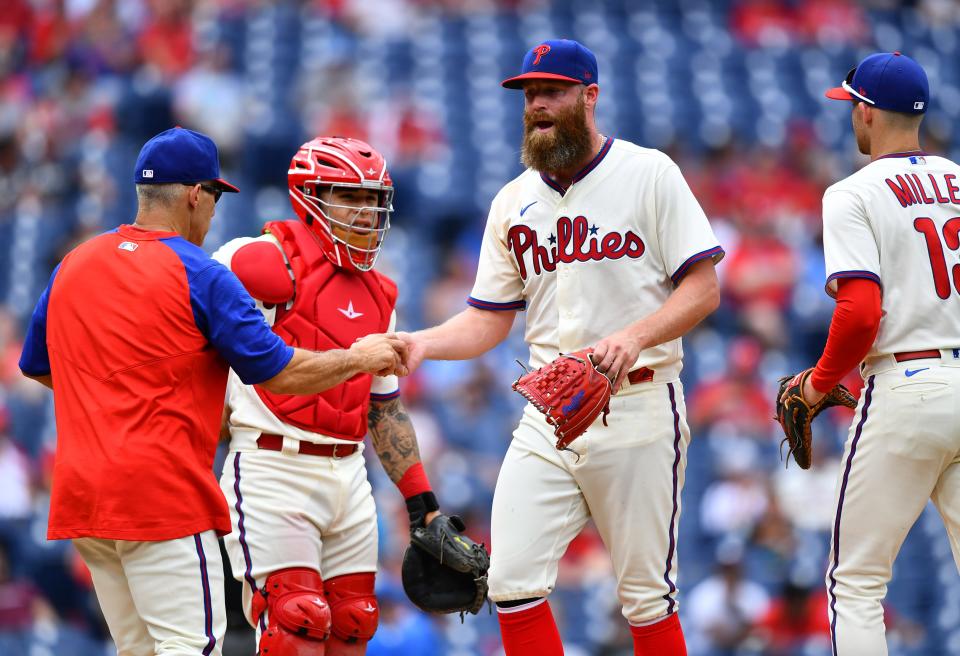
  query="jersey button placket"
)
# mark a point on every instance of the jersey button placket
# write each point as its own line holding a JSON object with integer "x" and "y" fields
{"x": 566, "y": 308}
{"x": 566, "y": 299}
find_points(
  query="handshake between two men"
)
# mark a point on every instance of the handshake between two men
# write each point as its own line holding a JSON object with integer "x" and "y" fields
{"x": 311, "y": 372}
{"x": 385, "y": 354}
{"x": 382, "y": 354}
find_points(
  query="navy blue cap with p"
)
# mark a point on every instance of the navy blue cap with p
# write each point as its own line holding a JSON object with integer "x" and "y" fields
{"x": 556, "y": 59}
{"x": 180, "y": 155}
{"x": 886, "y": 80}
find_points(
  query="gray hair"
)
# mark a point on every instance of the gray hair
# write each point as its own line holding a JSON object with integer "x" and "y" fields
{"x": 163, "y": 195}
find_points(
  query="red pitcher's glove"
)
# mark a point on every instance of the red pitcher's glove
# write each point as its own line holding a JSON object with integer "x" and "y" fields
{"x": 795, "y": 415}
{"x": 570, "y": 392}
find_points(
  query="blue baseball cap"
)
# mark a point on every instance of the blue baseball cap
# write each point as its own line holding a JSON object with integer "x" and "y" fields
{"x": 556, "y": 59}
{"x": 886, "y": 80}
{"x": 180, "y": 155}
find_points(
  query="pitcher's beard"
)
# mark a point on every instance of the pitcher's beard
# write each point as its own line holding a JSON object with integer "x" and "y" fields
{"x": 565, "y": 147}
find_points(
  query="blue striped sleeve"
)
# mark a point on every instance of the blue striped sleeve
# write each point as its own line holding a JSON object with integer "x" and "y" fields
{"x": 490, "y": 305}
{"x": 867, "y": 275}
{"x": 716, "y": 253}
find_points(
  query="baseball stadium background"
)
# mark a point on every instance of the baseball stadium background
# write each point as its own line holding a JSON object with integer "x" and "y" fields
{"x": 731, "y": 89}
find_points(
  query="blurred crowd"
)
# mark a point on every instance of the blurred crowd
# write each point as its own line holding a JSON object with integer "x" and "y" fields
{"x": 83, "y": 83}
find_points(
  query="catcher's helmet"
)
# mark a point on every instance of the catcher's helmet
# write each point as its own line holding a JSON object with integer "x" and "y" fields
{"x": 326, "y": 165}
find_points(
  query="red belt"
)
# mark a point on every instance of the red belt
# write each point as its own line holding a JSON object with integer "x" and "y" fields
{"x": 643, "y": 375}
{"x": 275, "y": 443}
{"x": 905, "y": 356}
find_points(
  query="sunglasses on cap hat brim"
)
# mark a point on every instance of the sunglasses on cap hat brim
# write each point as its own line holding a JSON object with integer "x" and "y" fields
{"x": 846, "y": 91}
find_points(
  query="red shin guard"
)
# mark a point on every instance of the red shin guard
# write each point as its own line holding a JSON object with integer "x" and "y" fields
{"x": 529, "y": 631}
{"x": 665, "y": 638}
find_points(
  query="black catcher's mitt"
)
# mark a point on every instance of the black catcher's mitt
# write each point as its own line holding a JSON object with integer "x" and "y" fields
{"x": 795, "y": 414}
{"x": 444, "y": 571}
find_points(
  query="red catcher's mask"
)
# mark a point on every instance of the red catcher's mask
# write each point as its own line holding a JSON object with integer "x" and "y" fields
{"x": 340, "y": 188}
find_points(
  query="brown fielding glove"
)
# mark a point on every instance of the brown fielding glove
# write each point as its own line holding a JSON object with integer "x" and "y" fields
{"x": 795, "y": 414}
{"x": 570, "y": 392}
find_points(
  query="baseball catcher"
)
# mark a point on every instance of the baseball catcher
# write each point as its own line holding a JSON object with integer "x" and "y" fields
{"x": 444, "y": 571}
{"x": 570, "y": 392}
{"x": 795, "y": 415}
{"x": 305, "y": 527}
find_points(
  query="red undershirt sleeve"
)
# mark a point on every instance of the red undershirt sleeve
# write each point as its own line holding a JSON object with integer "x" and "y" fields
{"x": 854, "y": 326}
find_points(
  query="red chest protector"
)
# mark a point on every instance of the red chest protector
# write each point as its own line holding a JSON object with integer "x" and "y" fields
{"x": 331, "y": 309}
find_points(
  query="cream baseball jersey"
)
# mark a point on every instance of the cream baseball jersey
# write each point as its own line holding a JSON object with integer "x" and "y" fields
{"x": 897, "y": 221}
{"x": 246, "y": 408}
{"x": 590, "y": 260}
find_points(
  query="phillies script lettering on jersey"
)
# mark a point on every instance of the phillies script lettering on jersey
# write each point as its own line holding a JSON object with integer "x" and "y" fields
{"x": 909, "y": 189}
{"x": 576, "y": 241}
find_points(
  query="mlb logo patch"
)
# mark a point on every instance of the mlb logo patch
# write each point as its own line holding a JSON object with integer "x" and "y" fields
{"x": 918, "y": 105}
{"x": 918, "y": 160}
{"x": 148, "y": 173}
{"x": 128, "y": 246}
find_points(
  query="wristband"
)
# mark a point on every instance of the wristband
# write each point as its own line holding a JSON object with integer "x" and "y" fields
{"x": 414, "y": 481}
{"x": 419, "y": 506}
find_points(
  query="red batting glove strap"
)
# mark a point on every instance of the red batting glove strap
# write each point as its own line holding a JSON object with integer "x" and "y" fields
{"x": 854, "y": 326}
{"x": 414, "y": 481}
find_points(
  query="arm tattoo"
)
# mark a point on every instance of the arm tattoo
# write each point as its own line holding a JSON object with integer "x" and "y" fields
{"x": 393, "y": 437}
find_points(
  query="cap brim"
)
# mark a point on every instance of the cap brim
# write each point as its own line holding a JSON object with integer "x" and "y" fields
{"x": 226, "y": 186}
{"x": 517, "y": 82}
{"x": 837, "y": 93}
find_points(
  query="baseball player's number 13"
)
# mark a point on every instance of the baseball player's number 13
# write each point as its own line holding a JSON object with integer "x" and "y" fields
{"x": 938, "y": 263}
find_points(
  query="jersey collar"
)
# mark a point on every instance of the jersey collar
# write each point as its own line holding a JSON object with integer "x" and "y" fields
{"x": 131, "y": 231}
{"x": 582, "y": 173}
{"x": 910, "y": 153}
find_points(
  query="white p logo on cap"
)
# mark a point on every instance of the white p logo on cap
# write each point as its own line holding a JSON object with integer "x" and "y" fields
{"x": 148, "y": 173}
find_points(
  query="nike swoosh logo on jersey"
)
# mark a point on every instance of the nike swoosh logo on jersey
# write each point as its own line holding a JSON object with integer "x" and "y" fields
{"x": 523, "y": 210}
{"x": 910, "y": 372}
{"x": 349, "y": 312}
